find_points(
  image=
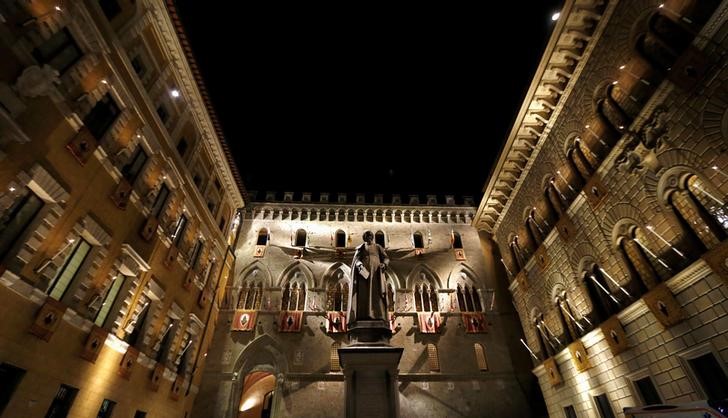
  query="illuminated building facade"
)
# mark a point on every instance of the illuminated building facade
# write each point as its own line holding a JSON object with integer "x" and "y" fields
{"x": 282, "y": 319}
{"x": 608, "y": 206}
{"x": 118, "y": 208}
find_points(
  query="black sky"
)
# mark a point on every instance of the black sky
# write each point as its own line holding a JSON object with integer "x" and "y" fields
{"x": 415, "y": 90}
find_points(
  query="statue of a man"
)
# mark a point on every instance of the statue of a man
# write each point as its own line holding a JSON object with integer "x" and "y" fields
{"x": 368, "y": 290}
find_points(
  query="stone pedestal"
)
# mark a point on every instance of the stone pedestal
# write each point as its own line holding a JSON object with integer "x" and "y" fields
{"x": 371, "y": 380}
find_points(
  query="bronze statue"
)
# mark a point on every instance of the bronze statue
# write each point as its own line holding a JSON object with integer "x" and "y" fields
{"x": 368, "y": 290}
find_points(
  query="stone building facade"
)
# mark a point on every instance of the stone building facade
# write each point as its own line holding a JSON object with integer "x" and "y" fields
{"x": 608, "y": 206}
{"x": 293, "y": 260}
{"x": 117, "y": 209}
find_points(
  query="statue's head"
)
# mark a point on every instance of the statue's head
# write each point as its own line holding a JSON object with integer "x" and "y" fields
{"x": 368, "y": 236}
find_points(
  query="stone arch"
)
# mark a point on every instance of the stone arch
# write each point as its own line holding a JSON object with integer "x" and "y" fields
{"x": 675, "y": 178}
{"x": 250, "y": 270}
{"x": 617, "y": 212}
{"x": 581, "y": 250}
{"x": 622, "y": 228}
{"x": 469, "y": 272}
{"x": 434, "y": 278}
{"x": 330, "y": 273}
{"x": 265, "y": 354}
{"x": 292, "y": 268}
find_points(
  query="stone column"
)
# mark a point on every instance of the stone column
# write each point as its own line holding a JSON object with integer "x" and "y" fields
{"x": 371, "y": 380}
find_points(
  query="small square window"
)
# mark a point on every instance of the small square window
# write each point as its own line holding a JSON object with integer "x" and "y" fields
{"x": 569, "y": 411}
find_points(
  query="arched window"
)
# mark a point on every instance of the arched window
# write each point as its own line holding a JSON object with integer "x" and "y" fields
{"x": 334, "y": 364}
{"x": 251, "y": 296}
{"x": 337, "y": 294}
{"x": 300, "y": 238}
{"x": 537, "y": 233}
{"x": 294, "y": 294}
{"x": 639, "y": 266}
{"x": 379, "y": 238}
{"x": 457, "y": 241}
{"x": 702, "y": 210}
{"x": 604, "y": 303}
{"x": 578, "y": 158}
{"x": 263, "y": 237}
{"x": 433, "y": 360}
{"x": 548, "y": 348}
{"x": 480, "y": 357}
{"x": 340, "y": 239}
{"x": 417, "y": 240}
{"x": 555, "y": 198}
{"x": 569, "y": 334}
{"x": 516, "y": 254}
{"x": 662, "y": 42}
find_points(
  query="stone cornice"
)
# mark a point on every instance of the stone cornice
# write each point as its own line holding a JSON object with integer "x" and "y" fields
{"x": 568, "y": 49}
{"x": 166, "y": 20}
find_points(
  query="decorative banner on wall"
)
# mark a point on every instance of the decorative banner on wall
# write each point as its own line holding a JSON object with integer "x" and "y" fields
{"x": 259, "y": 251}
{"x": 94, "y": 343}
{"x": 290, "y": 321}
{"x": 336, "y": 322}
{"x": 474, "y": 322}
{"x": 48, "y": 319}
{"x": 429, "y": 322}
{"x": 244, "y": 320}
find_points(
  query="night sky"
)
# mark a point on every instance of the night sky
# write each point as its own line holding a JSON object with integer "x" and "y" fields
{"x": 407, "y": 87}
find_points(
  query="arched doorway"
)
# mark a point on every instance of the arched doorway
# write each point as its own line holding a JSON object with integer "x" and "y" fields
{"x": 257, "y": 397}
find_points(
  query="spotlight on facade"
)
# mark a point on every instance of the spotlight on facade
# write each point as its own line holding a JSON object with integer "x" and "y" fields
{"x": 555, "y": 16}
{"x": 174, "y": 93}
{"x": 58, "y": 8}
{"x": 12, "y": 189}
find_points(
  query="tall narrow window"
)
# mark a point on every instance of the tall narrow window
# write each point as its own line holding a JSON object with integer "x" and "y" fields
{"x": 568, "y": 333}
{"x": 100, "y": 118}
{"x": 160, "y": 200}
{"x": 334, "y": 365}
{"x": 417, "y": 240}
{"x": 179, "y": 230}
{"x": 379, "y": 238}
{"x": 109, "y": 300}
{"x": 140, "y": 414}
{"x": 432, "y": 358}
{"x": 111, "y": 9}
{"x": 461, "y": 299}
{"x": 457, "y": 240}
{"x": 10, "y": 377}
{"x": 480, "y": 357}
{"x": 16, "y": 220}
{"x": 165, "y": 342}
{"x": 301, "y": 305}
{"x": 195, "y": 255}
{"x": 68, "y": 272}
{"x": 106, "y": 409}
{"x": 418, "y": 298}
{"x": 62, "y": 402}
{"x": 340, "y": 239}
{"x": 60, "y": 51}
{"x": 647, "y": 391}
{"x": 603, "y": 406}
{"x": 569, "y": 411}
{"x": 263, "y": 237}
{"x": 710, "y": 375}
{"x": 136, "y": 326}
{"x": 132, "y": 169}
{"x": 300, "y": 238}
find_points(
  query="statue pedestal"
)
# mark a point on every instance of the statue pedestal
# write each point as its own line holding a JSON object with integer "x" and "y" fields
{"x": 370, "y": 366}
